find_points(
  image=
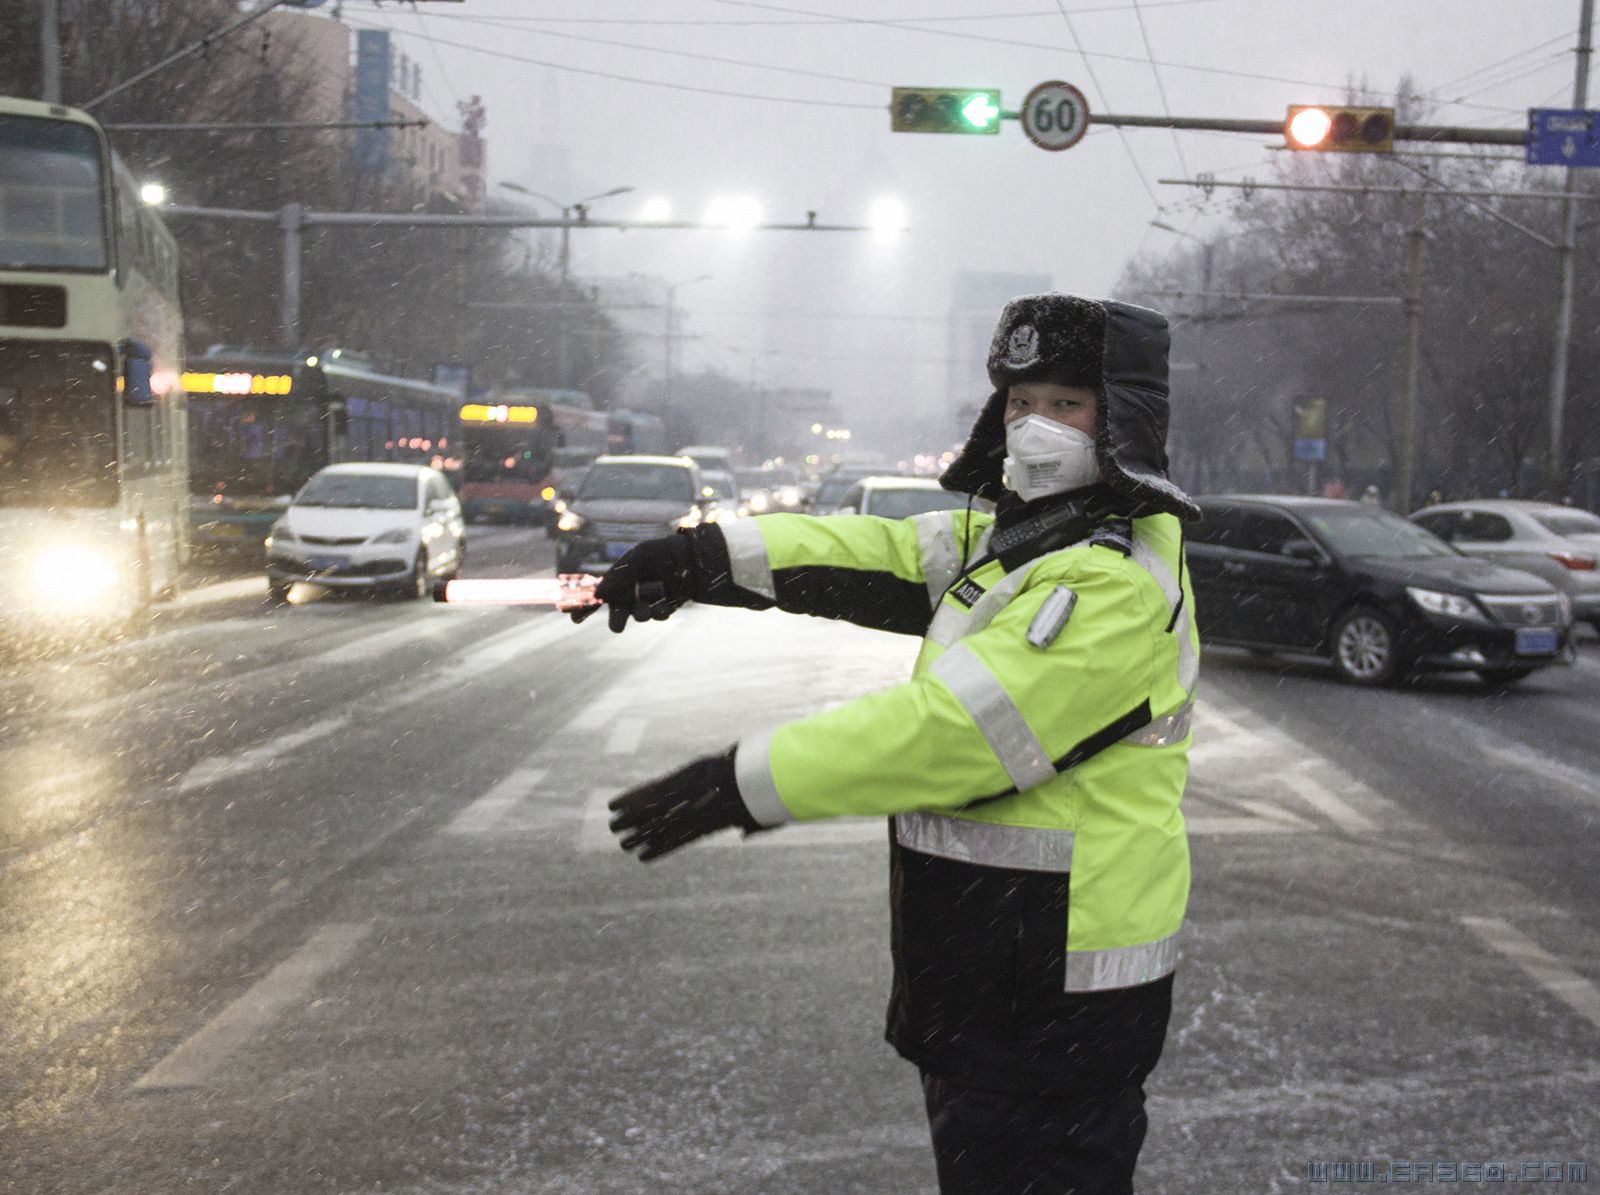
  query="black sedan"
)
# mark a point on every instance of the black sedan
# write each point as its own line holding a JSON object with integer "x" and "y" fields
{"x": 1374, "y": 594}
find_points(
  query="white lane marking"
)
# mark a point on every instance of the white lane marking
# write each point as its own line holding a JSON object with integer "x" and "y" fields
{"x": 600, "y": 711}
{"x": 1235, "y": 825}
{"x": 1565, "y": 984}
{"x": 194, "y": 1062}
{"x": 625, "y": 736}
{"x": 220, "y": 591}
{"x": 1526, "y": 759}
{"x": 1272, "y": 813}
{"x": 498, "y": 650}
{"x": 1327, "y": 802}
{"x": 222, "y": 767}
{"x": 485, "y": 814}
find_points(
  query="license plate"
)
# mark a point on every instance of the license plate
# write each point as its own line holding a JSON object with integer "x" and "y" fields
{"x": 1536, "y": 641}
{"x": 320, "y": 564}
{"x": 617, "y": 551}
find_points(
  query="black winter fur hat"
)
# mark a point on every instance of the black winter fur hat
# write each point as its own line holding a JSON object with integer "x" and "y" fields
{"x": 1115, "y": 349}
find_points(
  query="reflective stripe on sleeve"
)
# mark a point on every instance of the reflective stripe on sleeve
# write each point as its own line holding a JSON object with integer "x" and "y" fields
{"x": 941, "y": 556}
{"x": 1121, "y": 966}
{"x": 951, "y": 622}
{"x": 752, "y": 771}
{"x": 996, "y": 716}
{"x": 747, "y": 557}
{"x": 986, "y": 843}
{"x": 1188, "y": 659}
{"x": 1165, "y": 730}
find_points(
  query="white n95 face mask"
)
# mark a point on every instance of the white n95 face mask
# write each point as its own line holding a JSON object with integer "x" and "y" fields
{"x": 1045, "y": 457}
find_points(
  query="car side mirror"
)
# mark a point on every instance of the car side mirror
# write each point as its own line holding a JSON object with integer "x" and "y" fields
{"x": 1303, "y": 551}
{"x": 137, "y": 390}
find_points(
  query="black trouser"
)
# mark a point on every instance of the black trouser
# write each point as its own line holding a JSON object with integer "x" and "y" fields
{"x": 1000, "y": 1143}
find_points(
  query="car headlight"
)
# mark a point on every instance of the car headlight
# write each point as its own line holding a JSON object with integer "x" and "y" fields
{"x": 569, "y": 521}
{"x": 1450, "y": 605}
{"x": 692, "y": 519}
{"x": 74, "y": 575}
{"x": 757, "y": 503}
{"x": 395, "y": 535}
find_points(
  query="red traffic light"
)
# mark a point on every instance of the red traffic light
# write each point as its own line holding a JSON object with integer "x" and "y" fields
{"x": 1339, "y": 128}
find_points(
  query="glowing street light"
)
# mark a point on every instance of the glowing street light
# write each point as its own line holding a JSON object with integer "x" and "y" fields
{"x": 734, "y": 211}
{"x": 888, "y": 214}
{"x": 656, "y": 210}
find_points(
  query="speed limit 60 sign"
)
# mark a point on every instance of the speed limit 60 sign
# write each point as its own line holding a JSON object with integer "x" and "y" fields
{"x": 1055, "y": 115}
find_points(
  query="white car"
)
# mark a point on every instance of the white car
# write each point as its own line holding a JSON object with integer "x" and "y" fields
{"x": 1559, "y": 543}
{"x": 893, "y": 497}
{"x": 369, "y": 526}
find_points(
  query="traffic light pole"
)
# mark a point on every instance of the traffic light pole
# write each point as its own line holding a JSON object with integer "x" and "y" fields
{"x": 293, "y": 218}
{"x": 1434, "y": 133}
{"x": 1418, "y": 236}
{"x": 1566, "y": 276}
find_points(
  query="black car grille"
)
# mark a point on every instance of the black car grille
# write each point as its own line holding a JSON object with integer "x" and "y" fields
{"x": 627, "y": 531}
{"x": 333, "y": 540}
{"x": 1535, "y": 610}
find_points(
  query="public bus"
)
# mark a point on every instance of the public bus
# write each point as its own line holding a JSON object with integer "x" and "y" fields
{"x": 636, "y": 432}
{"x": 261, "y": 423}
{"x": 519, "y": 444}
{"x": 93, "y": 451}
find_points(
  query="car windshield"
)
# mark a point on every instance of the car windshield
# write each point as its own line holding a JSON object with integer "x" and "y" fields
{"x": 902, "y": 504}
{"x": 720, "y": 484}
{"x": 834, "y": 488}
{"x": 1569, "y": 522}
{"x": 359, "y": 490}
{"x": 665, "y": 483}
{"x": 1375, "y": 533}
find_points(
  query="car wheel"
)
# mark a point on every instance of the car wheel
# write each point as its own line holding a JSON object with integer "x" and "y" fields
{"x": 1498, "y": 677}
{"x": 1366, "y": 650}
{"x": 415, "y": 587}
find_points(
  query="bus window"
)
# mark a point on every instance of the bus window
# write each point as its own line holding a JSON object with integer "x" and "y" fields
{"x": 50, "y": 206}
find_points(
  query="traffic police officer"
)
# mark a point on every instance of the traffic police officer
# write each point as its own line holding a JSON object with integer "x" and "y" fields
{"x": 1032, "y": 766}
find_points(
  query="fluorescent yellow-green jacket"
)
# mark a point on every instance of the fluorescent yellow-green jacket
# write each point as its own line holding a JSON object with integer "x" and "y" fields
{"x": 1033, "y": 764}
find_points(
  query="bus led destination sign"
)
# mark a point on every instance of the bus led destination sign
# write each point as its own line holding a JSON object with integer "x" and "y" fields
{"x": 238, "y": 383}
{"x": 477, "y": 412}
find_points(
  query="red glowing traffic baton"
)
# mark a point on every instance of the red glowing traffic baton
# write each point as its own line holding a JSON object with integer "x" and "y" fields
{"x": 569, "y": 591}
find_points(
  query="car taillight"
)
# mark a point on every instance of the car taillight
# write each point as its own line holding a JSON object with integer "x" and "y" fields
{"x": 1578, "y": 564}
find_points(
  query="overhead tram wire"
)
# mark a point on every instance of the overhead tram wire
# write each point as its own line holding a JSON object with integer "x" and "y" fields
{"x": 620, "y": 78}
{"x": 496, "y": 22}
{"x": 1468, "y": 78}
{"x": 1042, "y": 48}
{"x": 1100, "y": 91}
{"x": 700, "y": 22}
{"x": 1161, "y": 87}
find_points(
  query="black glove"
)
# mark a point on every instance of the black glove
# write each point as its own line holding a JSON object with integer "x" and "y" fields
{"x": 649, "y": 582}
{"x": 700, "y": 798}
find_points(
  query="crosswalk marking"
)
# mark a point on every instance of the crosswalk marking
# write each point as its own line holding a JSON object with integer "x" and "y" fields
{"x": 1554, "y": 976}
{"x": 486, "y": 813}
{"x": 291, "y": 982}
{"x": 495, "y": 651}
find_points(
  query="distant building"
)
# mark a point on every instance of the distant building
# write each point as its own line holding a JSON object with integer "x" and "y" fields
{"x": 368, "y": 78}
{"x": 975, "y": 303}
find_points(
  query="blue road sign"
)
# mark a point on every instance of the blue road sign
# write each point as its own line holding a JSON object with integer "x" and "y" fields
{"x": 1310, "y": 450}
{"x": 1563, "y": 137}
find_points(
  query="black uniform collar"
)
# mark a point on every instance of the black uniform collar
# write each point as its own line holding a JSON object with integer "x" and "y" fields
{"x": 1026, "y": 530}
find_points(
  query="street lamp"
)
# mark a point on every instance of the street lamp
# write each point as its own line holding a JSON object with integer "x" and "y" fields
{"x": 563, "y": 323}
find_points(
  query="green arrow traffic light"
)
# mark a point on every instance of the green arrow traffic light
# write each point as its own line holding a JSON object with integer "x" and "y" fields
{"x": 980, "y": 110}
{"x": 945, "y": 110}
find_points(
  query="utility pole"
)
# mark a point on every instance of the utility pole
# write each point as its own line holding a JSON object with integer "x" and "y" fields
{"x": 1566, "y": 259}
{"x": 50, "y": 52}
{"x": 1418, "y": 237}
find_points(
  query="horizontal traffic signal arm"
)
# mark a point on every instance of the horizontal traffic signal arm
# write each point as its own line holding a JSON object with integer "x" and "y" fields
{"x": 1435, "y": 133}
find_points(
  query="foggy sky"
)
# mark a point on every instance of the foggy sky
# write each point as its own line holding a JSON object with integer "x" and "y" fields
{"x": 864, "y": 315}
